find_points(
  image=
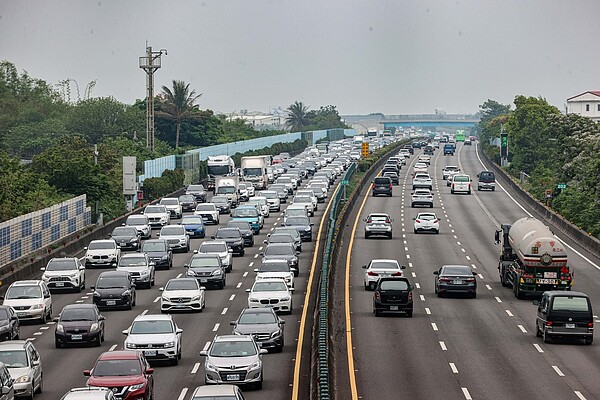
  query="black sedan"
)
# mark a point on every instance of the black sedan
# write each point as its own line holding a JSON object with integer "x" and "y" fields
{"x": 127, "y": 237}
{"x": 79, "y": 324}
{"x": 10, "y": 328}
{"x": 455, "y": 279}
{"x": 233, "y": 238}
{"x": 188, "y": 202}
{"x": 207, "y": 269}
{"x": 263, "y": 324}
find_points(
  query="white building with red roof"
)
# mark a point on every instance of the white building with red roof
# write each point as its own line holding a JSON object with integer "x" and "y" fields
{"x": 586, "y": 104}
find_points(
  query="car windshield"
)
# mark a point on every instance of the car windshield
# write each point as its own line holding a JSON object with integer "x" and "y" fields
{"x": 378, "y": 218}
{"x": 278, "y": 286}
{"x": 244, "y": 213}
{"x": 154, "y": 246}
{"x": 280, "y": 250}
{"x": 252, "y": 317}
{"x": 212, "y": 248}
{"x": 113, "y": 282}
{"x": 191, "y": 220}
{"x": 457, "y": 270}
{"x": 170, "y": 202}
{"x": 380, "y": 181}
{"x": 24, "y": 292}
{"x": 422, "y": 193}
{"x": 124, "y": 232}
{"x": 197, "y": 262}
{"x": 460, "y": 178}
{"x": 291, "y": 231}
{"x": 136, "y": 221}
{"x": 186, "y": 198}
{"x": 77, "y": 314}
{"x": 274, "y": 267}
{"x": 228, "y": 233}
{"x": 182, "y": 284}
{"x": 451, "y": 168}
{"x": 219, "y": 199}
{"x": 281, "y": 238}
{"x": 260, "y": 202}
{"x": 157, "y": 327}
{"x": 61, "y": 265}
{"x": 427, "y": 217}
{"x": 394, "y": 285}
{"x": 383, "y": 264}
{"x": 225, "y": 189}
{"x": 302, "y": 199}
{"x": 14, "y": 358}
{"x": 564, "y": 303}
{"x": 205, "y": 207}
{"x": 241, "y": 225}
{"x": 270, "y": 195}
{"x": 117, "y": 368}
{"x": 172, "y": 231}
{"x": 297, "y": 212}
{"x": 195, "y": 188}
{"x": 133, "y": 261}
{"x": 104, "y": 245}
{"x": 298, "y": 221}
{"x": 228, "y": 348}
{"x": 155, "y": 210}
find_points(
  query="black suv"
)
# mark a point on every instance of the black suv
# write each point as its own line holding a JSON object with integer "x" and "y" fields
{"x": 382, "y": 185}
{"x": 564, "y": 314}
{"x": 159, "y": 252}
{"x": 207, "y": 269}
{"x": 233, "y": 238}
{"x": 245, "y": 230}
{"x": 393, "y": 295}
{"x": 114, "y": 289}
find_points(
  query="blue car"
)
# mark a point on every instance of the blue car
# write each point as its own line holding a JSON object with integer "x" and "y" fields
{"x": 194, "y": 226}
{"x": 249, "y": 214}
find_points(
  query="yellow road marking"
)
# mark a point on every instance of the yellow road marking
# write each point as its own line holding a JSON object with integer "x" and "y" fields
{"x": 297, "y": 362}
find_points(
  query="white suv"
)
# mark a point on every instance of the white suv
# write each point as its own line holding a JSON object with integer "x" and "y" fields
{"x": 176, "y": 236}
{"x": 30, "y": 299}
{"x": 157, "y": 336}
{"x": 271, "y": 292}
{"x": 102, "y": 253}
{"x": 158, "y": 215}
{"x": 64, "y": 273}
{"x": 461, "y": 183}
{"x": 173, "y": 206}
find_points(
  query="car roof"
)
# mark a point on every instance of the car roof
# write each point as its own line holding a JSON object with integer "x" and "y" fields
{"x": 104, "y": 241}
{"x": 234, "y": 338}
{"x": 427, "y": 213}
{"x": 79, "y": 305}
{"x": 155, "y": 240}
{"x": 13, "y": 344}
{"x": 154, "y": 317}
{"x": 563, "y": 293}
{"x": 384, "y": 260}
{"x": 29, "y": 282}
{"x": 104, "y": 274}
{"x": 119, "y": 355}
{"x": 134, "y": 255}
{"x": 213, "y": 242}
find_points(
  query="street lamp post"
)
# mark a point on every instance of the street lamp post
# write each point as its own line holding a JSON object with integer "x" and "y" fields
{"x": 150, "y": 63}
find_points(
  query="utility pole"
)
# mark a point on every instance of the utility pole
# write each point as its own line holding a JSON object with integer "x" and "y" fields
{"x": 150, "y": 63}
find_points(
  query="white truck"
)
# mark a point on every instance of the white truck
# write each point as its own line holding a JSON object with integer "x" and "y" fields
{"x": 217, "y": 166}
{"x": 228, "y": 186}
{"x": 254, "y": 170}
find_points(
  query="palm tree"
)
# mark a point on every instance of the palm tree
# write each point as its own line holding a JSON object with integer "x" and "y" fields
{"x": 178, "y": 104}
{"x": 297, "y": 116}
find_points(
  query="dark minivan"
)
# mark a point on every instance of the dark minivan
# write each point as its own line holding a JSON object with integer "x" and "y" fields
{"x": 382, "y": 185}
{"x": 564, "y": 314}
{"x": 393, "y": 295}
{"x": 486, "y": 180}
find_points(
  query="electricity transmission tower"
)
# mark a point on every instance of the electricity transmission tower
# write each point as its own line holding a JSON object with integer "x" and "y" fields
{"x": 150, "y": 63}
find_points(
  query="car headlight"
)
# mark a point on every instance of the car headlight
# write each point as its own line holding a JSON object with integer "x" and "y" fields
{"x": 94, "y": 327}
{"x": 169, "y": 344}
{"x": 276, "y": 333}
{"x": 129, "y": 345}
{"x": 307, "y": 229}
{"x": 251, "y": 300}
{"x": 209, "y": 366}
{"x": 124, "y": 294}
{"x": 166, "y": 256}
{"x": 237, "y": 333}
{"x": 136, "y": 387}
{"x": 286, "y": 299}
{"x": 145, "y": 272}
{"x": 23, "y": 379}
{"x": 165, "y": 298}
{"x": 37, "y": 306}
{"x": 134, "y": 240}
{"x": 255, "y": 365}
{"x": 59, "y": 328}
{"x": 190, "y": 273}
{"x": 73, "y": 275}
{"x": 196, "y": 298}
{"x": 96, "y": 294}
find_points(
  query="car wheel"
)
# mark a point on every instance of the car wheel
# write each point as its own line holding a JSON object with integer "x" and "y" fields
{"x": 409, "y": 313}
{"x": 493, "y": 190}
{"x": 175, "y": 361}
{"x": 452, "y": 191}
{"x": 98, "y": 341}
{"x": 589, "y": 341}
{"x": 439, "y": 294}
{"x": 44, "y": 317}
{"x": 18, "y": 334}
{"x": 153, "y": 281}
{"x": 538, "y": 332}
{"x": 40, "y": 388}
{"x": 366, "y": 235}
{"x": 78, "y": 289}
{"x": 377, "y": 313}
{"x": 134, "y": 299}
{"x": 546, "y": 337}
{"x": 57, "y": 344}
{"x": 366, "y": 285}
{"x": 474, "y": 295}
{"x": 187, "y": 248}
{"x": 415, "y": 231}
{"x": 437, "y": 232}
{"x": 130, "y": 305}
{"x": 469, "y": 192}
{"x": 242, "y": 253}
{"x": 229, "y": 268}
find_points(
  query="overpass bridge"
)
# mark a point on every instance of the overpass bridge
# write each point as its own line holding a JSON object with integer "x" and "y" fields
{"x": 429, "y": 121}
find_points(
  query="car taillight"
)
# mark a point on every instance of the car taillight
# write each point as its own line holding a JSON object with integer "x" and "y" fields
{"x": 444, "y": 279}
{"x": 377, "y": 296}
{"x": 397, "y": 273}
{"x": 591, "y": 324}
{"x": 371, "y": 273}
{"x": 548, "y": 323}
{"x": 409, "y": 296}
{"x": 470, "y": 280}
{"x": 369, "y": 221}
{"x": 436, "y": 220}
{"x": 418, "y": 220}
{"x": 390, "y": 185}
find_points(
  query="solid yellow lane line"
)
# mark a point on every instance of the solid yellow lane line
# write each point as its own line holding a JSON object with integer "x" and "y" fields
{"x": 296, "y": 383}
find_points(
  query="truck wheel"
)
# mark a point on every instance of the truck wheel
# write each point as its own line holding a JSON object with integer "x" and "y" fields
{"x": 518, "y": 293}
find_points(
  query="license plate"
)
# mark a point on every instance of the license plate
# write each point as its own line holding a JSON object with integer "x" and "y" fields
{"x": 203, "y": 280}
{"x": 76, "y": 337}
{"x": 546, "y": 281}
{"x": 550, "y": 275}
{"x": 457, "y": 281}
{"x": 60, "y": 284}
{"x": 150, "y": 353}
{"x": 21, "y": 315}
{"x": 233, "y": 377}
{"x": 111, "y": 303}
{"x": 570, "y": 326}
{"x": 393, "y": 308}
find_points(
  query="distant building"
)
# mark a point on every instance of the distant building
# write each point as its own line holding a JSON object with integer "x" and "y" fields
{"x": 260, "y": 121}
{"x": 586, "y": 104}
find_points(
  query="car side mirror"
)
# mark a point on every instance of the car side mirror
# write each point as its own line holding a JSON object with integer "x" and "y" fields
{"x": 212, "y": 237}
{"x": 478, "y": 175}
{"x": 101, "y": 318}
{"x": 233, "y": 323}
{"x": 92, "y": 287}
{"x": 436, "y": 272}
{"x": 204, "y": 353}
{"x": 195, "y": 251}
{"x": 179, "y": 331}
{"x": 55, "y": 319}
{"x": 125, "y": 332}
{"x": 157, "y": 234}
{"x": 263, "y": 351}
{"x": 47, "y": 296}
{"x": 230, "y": 251}
{"x": 149, "y": 371}
{"x": 364, "y": 267}
{"x": 403, "y": 267}
{"x": 247, "y": 290}
{"x": 85, "y": 248}
{"x": 162, "y": 289}
{"x": 43, "y": 269}
{"x": 474, "y": 273}
{"x": 87, "y": 372}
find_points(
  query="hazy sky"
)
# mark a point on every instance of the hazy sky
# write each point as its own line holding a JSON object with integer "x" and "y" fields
{"x": 395, "y": 57}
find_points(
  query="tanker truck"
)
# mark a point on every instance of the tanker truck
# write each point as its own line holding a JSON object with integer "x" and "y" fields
{"x": 532, "y": 260}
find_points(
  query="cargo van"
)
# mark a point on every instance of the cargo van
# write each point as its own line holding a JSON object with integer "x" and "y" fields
{"x": 486, "y": 180}
{"x": 564, "y": 314}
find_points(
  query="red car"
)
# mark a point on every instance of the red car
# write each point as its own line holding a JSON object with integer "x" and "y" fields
{"x": 126, "y": 373}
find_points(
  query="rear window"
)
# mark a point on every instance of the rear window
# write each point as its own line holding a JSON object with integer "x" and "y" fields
{"x": 486, "y": 176}
{"x": 562, "y": 303}
{"x": 394, "y": 285}
{"x": 382, "y": 181}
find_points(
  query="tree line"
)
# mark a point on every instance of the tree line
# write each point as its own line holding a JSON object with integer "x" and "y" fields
{"x": 47, "y": 138}
{"x": 552, "y": 148}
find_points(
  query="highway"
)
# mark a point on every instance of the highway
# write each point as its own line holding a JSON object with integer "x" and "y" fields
{"x": 63, "y": 367}
{"x": 453, "y": 348}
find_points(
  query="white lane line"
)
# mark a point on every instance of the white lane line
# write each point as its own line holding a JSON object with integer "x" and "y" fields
{"x": 408, "y": 256}
{"x": 179, "y": 275}
{"x": 245, "y": 274}
{"x": 538, "y": 348}
{"x": 579, "y": 395}
{"x": 404, "y": 235}
{"x": 84, "y": 297}
{"x": 183, "y": 393}
{"x": 434, "y": 326}
{"x": 196, "y": 367}
{"x": 79, "y": 301}
{"x": 427, "y": 311}
{"x": 509, "y": 313}
{"x": 405, "y": 242}
{"x": 224, "y": 311}
{"x": 206, "y": 346}
{"x": 90, "y": 293}
{"x": 452, "y": 230}
{"x": 498, "y": 299}
{"x": 31, "y": 339}
{"x": 455, "y": 237}
{"x": 216, "y": 327}
{"x": 488, "y": 287}
{"x": 144, "y": 312}
{"x": 480, "y": 276}
{"x": 450, "y": 225}
{"x": 414, "y": 275}
{"x": 274, "y": 223}
{"x": 453, "y": 368}
{"x": 474, "y": 266}
{"x": 557, "y": 370}
{"x": 43, "y": 328}
{"x": 468, "y": 258}
{"x": 278, "y": 218}
{"x": 256, "y": 256}
{"x": 466, "y": 393}
{"x": 251, "y": 264}
{"x": 37, "y": 333}
{"x": 232, "y": 297}
{"x": 239, "y": 285}
{"x": 422, "y": 297}
{"x": 410, "y": 265}
{"x": 458, "y": 243}
{"x": 443, "y": 346}
{"x": 260, "y": 248}
{"x": 113, "y": 347}
{"x": 405, "y": 248}
{"x": 272, "y": 229}
{"x": 522, "y": 328}
{"x": 417, "y": 285}
{"x": 156, "y": 299}
{"x": 463, "y": 250}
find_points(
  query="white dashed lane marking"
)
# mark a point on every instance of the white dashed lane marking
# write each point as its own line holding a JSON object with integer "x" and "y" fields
{"x": 466, "y": 393}
{"x": 522, "y": 328}
{"x": 156, "y": 299}
{"x": 557, "y": 370}
{"x": 538, "y": 348}
{"x": 216, "y": 328}
{"x": 239, "y": 285}
{"x": 113, "y": 347}
{"x": 434, "y": 326}
{"x": 422, "y": 297}
{"x": 453, "y": 368}
{"x": 224, "y": 311}
{"x": 232, "y": 297}
{"x": 498, "y": 299}
{"x": 488, "y": 287}
{"x": 443, "y": 346}
{"x": 427, "y": 311}
{"x": 182, "y": 394}
{"x": 510, "y": 314}
{"x": 245, "y": 274}
{"x": 196, "y": 367}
